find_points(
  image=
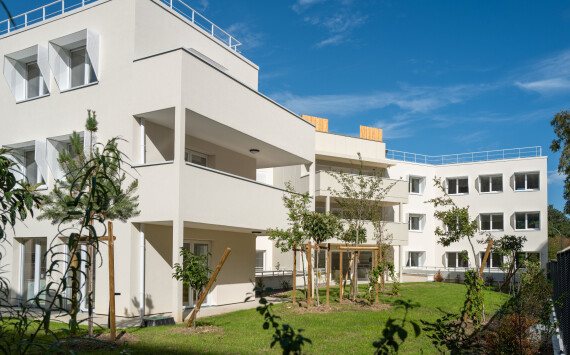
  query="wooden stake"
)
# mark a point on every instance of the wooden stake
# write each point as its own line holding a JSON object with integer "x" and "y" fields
{"x": 207, "y": 289}
{"x": 329, "y": 259}
{"x": 309, "y": 294}
{"x": 485, "y": 257}
{"x": 74, "y": 286}
{"x": 112, "y": 282}
{"x": 340, "y": 285}
{"x": 294, "y": 271}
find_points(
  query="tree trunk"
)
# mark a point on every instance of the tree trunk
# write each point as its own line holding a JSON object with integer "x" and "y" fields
{"x": 355, "y": 270}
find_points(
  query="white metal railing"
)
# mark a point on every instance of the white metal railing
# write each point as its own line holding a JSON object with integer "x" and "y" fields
{"x": 196, "y": 18}
{"x": 60, "y": 7}
{"x": 504, "y": 154}
{"x": 267, "y": 273}
{"x": 41, "y": 14}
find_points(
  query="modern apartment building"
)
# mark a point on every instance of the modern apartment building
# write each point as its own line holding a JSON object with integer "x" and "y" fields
{"x": 505, "y": 190}
{"x": 185, "y": 100}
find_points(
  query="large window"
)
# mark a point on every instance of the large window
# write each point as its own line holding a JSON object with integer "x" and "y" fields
{"x": 415, "y": 259}
{"x": 416, "y": 184}
{"x": 416, "y": 222}
{"x": 456, "y": 259}
{"x": 491, "y": 183}
{"x": 458, "y": 186}
{"x": 526, "y": 181}
{"x": 495, "y": 260}
{"x": 527, "y": 220}
{"x": 35, "y": 84}
{"x": 260, "y": 260}
{"x": 491, "y": 221}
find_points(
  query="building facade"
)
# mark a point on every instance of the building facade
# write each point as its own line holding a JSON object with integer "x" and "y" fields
{"x": 175, "y": 87}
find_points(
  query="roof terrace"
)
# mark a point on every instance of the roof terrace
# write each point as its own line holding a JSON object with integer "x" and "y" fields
{"x": 60, "y": 7}
{"x": 490, "y": 155}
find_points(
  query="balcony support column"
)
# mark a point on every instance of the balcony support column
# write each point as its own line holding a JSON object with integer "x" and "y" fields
{"x": 177, "y": 288}
{"x": 311, "y": 168}
{"x": 401, "y": 213}
{"x": 327, "y": 204}
{"x": 401, "y": 260}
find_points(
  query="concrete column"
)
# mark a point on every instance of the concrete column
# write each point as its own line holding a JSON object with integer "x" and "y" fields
{"x": 401, "y": 213}
{"x": 402, "y": 260}
{"x": 328, "y": 204}
{"x": 311, "y": 168}
{"x": 177, "y": 288}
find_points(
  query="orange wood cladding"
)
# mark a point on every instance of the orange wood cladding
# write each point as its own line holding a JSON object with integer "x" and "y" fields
{"x": 374, "y": 134}
{"x": 322, "y": 124}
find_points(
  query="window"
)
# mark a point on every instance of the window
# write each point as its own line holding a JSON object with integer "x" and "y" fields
{"x": 495, "y": 260}
{"x": 526, "y": 181}
{"x": 415, "y": 259}
{"x": 27, "y": 73}
{"x": 74, "y": 59}
{"x": 196, "y": 158}
{"x": 260, "y": 260}
{"x": 31, "y": 167}
{"x": 416, "y": 222}
{"x": 491, "y": 221}
{"x": 416, "y": 184}
{"x": 530, "y": 256}
{"x": 457, "y": 186}
{"x": 491, "y": 183}
{"x": 527, "y": 220}
{"x": 456, "y": 259}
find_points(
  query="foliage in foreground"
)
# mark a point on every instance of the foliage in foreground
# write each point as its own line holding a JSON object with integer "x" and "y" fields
{"x": 394, "y": 333}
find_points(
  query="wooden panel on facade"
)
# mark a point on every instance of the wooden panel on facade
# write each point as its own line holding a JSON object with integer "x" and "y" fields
{"x": 374, "y": 134}
{"x": 322, "y": 124}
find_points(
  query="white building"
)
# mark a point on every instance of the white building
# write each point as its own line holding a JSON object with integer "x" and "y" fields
{"x": 177, "y": 89}
{"x": 505, "y": 190}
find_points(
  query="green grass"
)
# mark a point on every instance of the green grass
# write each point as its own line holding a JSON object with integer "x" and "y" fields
{"x": 350, "y": 329}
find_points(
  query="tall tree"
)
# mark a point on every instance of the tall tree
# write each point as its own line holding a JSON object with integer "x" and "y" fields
{"x": 360, "y": 197}
{"x": 561, "y": 124}
{"x": 558, "y": 231}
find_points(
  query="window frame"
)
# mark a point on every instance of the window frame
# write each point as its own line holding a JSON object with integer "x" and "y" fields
{"x": 456, "y": 180}
{"x": 490, "y": 260}
{"x": 421, "y": 184}
{"x": 87, "y": 68}
{"x": 457, "y": 257}
{"x": 421, "y": 222}
{"x": 491, "y": 214}
{"x": 263, "y": 263}
{"x": 188, "y": 157}
{"x": 526, "y": 254}
{"x": 420, "y": 259}
{"x": 526, "y": 173}
{"x": 526, "y": 213}
{"x": 491, "y": 191}
{"x": 42, "y": 86}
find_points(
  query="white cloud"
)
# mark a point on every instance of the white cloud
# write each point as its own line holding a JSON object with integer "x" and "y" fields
{"x": 550, "y": 75}
{"x": 546, "y": 86}
{"x": 555, "y": 178}
{"x": 334, "y": 40}
{"x": 302, "y": 5}
{"x": 395, "y": 129}
{"x": 202, "y": 5}
{"x": 243, "y": 33}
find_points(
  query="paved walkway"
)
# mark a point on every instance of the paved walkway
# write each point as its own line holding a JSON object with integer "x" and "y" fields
{"x": 130, "y": 322}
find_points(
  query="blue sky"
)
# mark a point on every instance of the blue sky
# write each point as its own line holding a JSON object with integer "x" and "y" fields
{"x": 439, "y": 77}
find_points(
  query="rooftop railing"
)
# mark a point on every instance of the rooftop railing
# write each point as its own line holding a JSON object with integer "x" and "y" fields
{"x": 60, "y": 7}
{"x": 490, "y": 155}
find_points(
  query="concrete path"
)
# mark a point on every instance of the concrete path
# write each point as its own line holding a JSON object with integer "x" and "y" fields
{"x": 130, "y": 322}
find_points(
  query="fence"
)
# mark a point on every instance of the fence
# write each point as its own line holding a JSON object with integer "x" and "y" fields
{"x": 560, "y": 276}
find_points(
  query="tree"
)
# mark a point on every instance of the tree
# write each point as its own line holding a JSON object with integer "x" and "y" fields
{"x": 457, "y": 224}
{"x": 561, "y": 124}
{"x": 287, "y": 239}
{"x": 320, "y": 227}
{"x": 558, "y": 231}
{"x": 73, "y": 195}
{"x": 359, "y": 196}
{"x": 194, "y": 272}
{"x": 509, "y": 246}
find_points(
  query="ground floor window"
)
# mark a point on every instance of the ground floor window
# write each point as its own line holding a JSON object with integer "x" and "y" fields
{"x": 259, "y": 260}
{"x": 415, "y": 259}
{"x": 495, "y": 260}
{"x": 531, "y": 256}
{"x": 456, "y": 259}
{"x": 190, "y": 296}
{"x": 364, "y": 264}
{"x": 33, "y": 272}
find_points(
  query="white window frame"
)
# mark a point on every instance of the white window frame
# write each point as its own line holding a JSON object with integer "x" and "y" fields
{"x": 491, "y": 215}
{"x": 421, "y": 259}
{"x": 456, "y": 181}
{"x": 526, "y": 173}
{"x": 188, "y": 156}
{"x": 421, "y": 184}
{"x": 490, "y": 260}
{"x": 16, "y": 72}
{"x": 457, "y": 255}
{"x": 421, "y": 222}
{"x": 264, "y": 253}
{"x": 526, "y": 213}
{"x": 87, "y": 67}
{"x": 490, "y": 176}
{"x": 191, "y": 243}
{"x": 42, "y": 90}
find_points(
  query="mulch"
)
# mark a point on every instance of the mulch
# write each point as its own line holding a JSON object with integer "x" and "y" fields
{"x": 204, "y": 329}
{"x": 102, "y": 342}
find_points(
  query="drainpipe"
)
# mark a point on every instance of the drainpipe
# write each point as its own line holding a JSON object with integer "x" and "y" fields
{"x": 143, "y": 141}
{"x": 142, "y": 272}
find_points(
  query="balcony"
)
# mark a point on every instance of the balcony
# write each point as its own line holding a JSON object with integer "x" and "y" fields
{"x": 398, "y": 193}
{"x": 344, "y": 149}
{"x": 398, "y": 232}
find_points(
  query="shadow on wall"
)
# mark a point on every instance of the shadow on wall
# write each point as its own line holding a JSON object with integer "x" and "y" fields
{"x": 149, "y": 306}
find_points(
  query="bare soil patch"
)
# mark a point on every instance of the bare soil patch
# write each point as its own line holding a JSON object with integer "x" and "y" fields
{"x": 205, "y": 329}
{"x": 102, "y": 341}
{"x": 346, "y": 306}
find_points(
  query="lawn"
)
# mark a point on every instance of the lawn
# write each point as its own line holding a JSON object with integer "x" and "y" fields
{"x": 347, "y": 329}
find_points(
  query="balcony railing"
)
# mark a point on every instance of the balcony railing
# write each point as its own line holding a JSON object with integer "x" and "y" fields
{"x": 60, "y": 7}
{"x": 40, "y": 14}
{"x": 504, "y": 154}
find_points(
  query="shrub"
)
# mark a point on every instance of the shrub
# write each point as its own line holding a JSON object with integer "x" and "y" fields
{"x": 513, "y": 336}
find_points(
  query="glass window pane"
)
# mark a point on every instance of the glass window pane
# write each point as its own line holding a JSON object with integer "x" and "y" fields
{"x": 31, "y": 167}
{"x": 259, "y": 259}
{"x": 533, "y": 220}
{"x": 497, "y": 183}
{"x": 497, "y": 260}
{"x": 520, "y": 182}
{"x": 520, "y": 222}
{"x": 463, "y": 186}
{"x": 199, "y": 160}
{"x": 415, "y": 185}
{"x": 414, "y": 223}
{"x": 485, "y": 183}
{"x": 452, "y": 186}
{"x": 451, "y": 259}
{"x": 532, "y": 181}
{"x": 78, "y": 68}
{"x": 498, "y": 222}
{"x": 461, "y": 261}
{"x": 485, "y": 222}
{"x": 33, "y": 81}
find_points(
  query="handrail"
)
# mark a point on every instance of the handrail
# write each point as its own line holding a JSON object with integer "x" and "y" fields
{"x": 60, "y": 7}
{"x": 491, "y": 155}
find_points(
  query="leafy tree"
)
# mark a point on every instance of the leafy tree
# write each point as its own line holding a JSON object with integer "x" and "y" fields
{"x": 561, "y": 124}
{"x": 360, "y": 197}
{"x": 558, "y": 231}
{"x": 508, "y": 246}
{"x": 194, "y": 272}
{"x": 320, "y": 227}
{"x": 286, "y": 239}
